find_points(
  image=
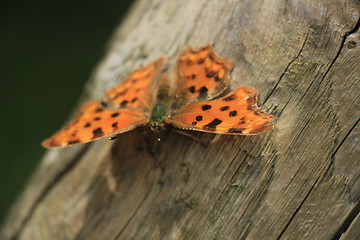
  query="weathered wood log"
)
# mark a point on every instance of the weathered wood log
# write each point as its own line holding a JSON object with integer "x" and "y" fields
{"x": 300, "y": 181}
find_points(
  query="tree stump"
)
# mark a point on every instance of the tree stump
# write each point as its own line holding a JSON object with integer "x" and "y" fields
{"x": 300, "y": 181}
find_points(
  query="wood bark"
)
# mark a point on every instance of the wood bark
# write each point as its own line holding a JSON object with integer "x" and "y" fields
{"x": 300, "y": 181}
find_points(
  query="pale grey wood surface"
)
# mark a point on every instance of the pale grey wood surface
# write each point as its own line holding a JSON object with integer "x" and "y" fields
{"x": 300, "y": 181}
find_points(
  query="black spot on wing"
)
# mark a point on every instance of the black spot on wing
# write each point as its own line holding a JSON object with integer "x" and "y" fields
{"x": 236, "y": 130}
{"x": 232, "y": 113}
{"x": 87, "y": 125}
{"x": 206, "y": 107}
{"x": 115, "y": 125}
{"x": 98, "y": 133}
{"x": 230, "y": 98}
{"x": 199, "y": 118}
{"x": 203, "y": 90}
{"x": 134, "y": 100}
{"x": 212, "y": 58}
{"x": 194, "y": 123}
{"x": 124, "y": 103}
{"x": 119, "y": 94}
{"x": 192, "y": 89}
{"x": 210, "y": 74}
{"x": 73, "y": 142}
{"x": 104, "y": 104}
{"x": 212, "y": 125}
{"x": 201, "y": 61}
{"x": 99, "y": 110}
{"x": 242, "y": 120}
{"x": 115, "y": 115}
{"x": 97, "y": 118}
{"x": 217, "y": 79}
{"x": 224, "y": 108}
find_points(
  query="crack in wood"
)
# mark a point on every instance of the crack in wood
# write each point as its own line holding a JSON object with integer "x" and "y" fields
{"x": 286, "y": 69}
{"x": 297, "y": 210}
{"x": 336, "y": 56}
{"x": 347, "y": 222}
{"x": 356, "y": 210}
{"x": 344, "y": 139}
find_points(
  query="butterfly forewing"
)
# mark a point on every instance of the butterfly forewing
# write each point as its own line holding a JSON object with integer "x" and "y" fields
{"x": 93, "y": 122}
{"x": 126, "y": 106}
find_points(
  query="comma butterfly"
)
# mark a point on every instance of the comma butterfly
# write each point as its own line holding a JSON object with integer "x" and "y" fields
{"x": 146, "y": 98}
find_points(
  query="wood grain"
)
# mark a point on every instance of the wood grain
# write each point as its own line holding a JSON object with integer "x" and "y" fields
{"x": 300, "y": 181}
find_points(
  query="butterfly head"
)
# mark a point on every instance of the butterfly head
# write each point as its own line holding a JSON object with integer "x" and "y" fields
{"x": 157, "y": 127}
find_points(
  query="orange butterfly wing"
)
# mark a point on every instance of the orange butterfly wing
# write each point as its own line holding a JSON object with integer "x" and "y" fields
{"x": 201, "y": 75}
{"x": 94, "y": 122}
{"x": 236, "y": 113}
{"x": 136, "y": 90}
{"x": 129, "y": 106}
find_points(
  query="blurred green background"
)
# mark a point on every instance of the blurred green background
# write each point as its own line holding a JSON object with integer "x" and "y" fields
{"x": 47, "y": 51}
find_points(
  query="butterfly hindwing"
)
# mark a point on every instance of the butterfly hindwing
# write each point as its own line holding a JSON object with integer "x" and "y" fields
{"x": 236, "y": 113}
{"x": 200, "y": 75}
{"x": 93, "y": 122}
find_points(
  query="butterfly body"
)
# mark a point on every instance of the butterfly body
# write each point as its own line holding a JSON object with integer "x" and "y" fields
{"x": 145, "y": 98}
{"x": 158, "y": 114}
